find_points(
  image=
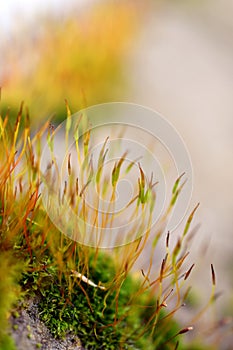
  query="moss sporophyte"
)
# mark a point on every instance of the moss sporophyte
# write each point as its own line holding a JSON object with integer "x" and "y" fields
{"x": 82, "y": 288}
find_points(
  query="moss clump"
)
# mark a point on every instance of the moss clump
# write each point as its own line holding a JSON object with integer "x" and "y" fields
{"x": 84, "y": 290}
{"x": 103, "y": 319}
{"x": 7, "y": 343}
{"x": 9, "y": 291}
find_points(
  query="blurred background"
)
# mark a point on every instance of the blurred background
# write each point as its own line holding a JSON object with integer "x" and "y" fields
{"x": 52, "y": 51}
{"x": 172, "y": 56}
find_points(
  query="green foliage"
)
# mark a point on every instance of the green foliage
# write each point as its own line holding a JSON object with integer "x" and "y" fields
{"x": 90, "y": 292}
{"x": 104, "y": 320}
{"x": 7, "y": 343}
{"x": 9, "y": 291}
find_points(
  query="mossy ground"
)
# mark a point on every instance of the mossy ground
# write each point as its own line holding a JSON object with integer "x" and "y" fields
{"x": 102, "y": 319}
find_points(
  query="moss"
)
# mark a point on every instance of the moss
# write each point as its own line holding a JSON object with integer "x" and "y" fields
{"x": 101, "y": 318}
{"x": 102, "y": 303}
{"x": 9, "y": 291}
{"x": 7, "y": 343}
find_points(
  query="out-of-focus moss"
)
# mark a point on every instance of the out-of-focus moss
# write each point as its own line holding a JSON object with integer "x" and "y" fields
{"x": 79, "y": 57}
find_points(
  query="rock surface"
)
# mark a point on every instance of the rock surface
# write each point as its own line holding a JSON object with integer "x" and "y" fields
{"x": 29, "y": 333}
